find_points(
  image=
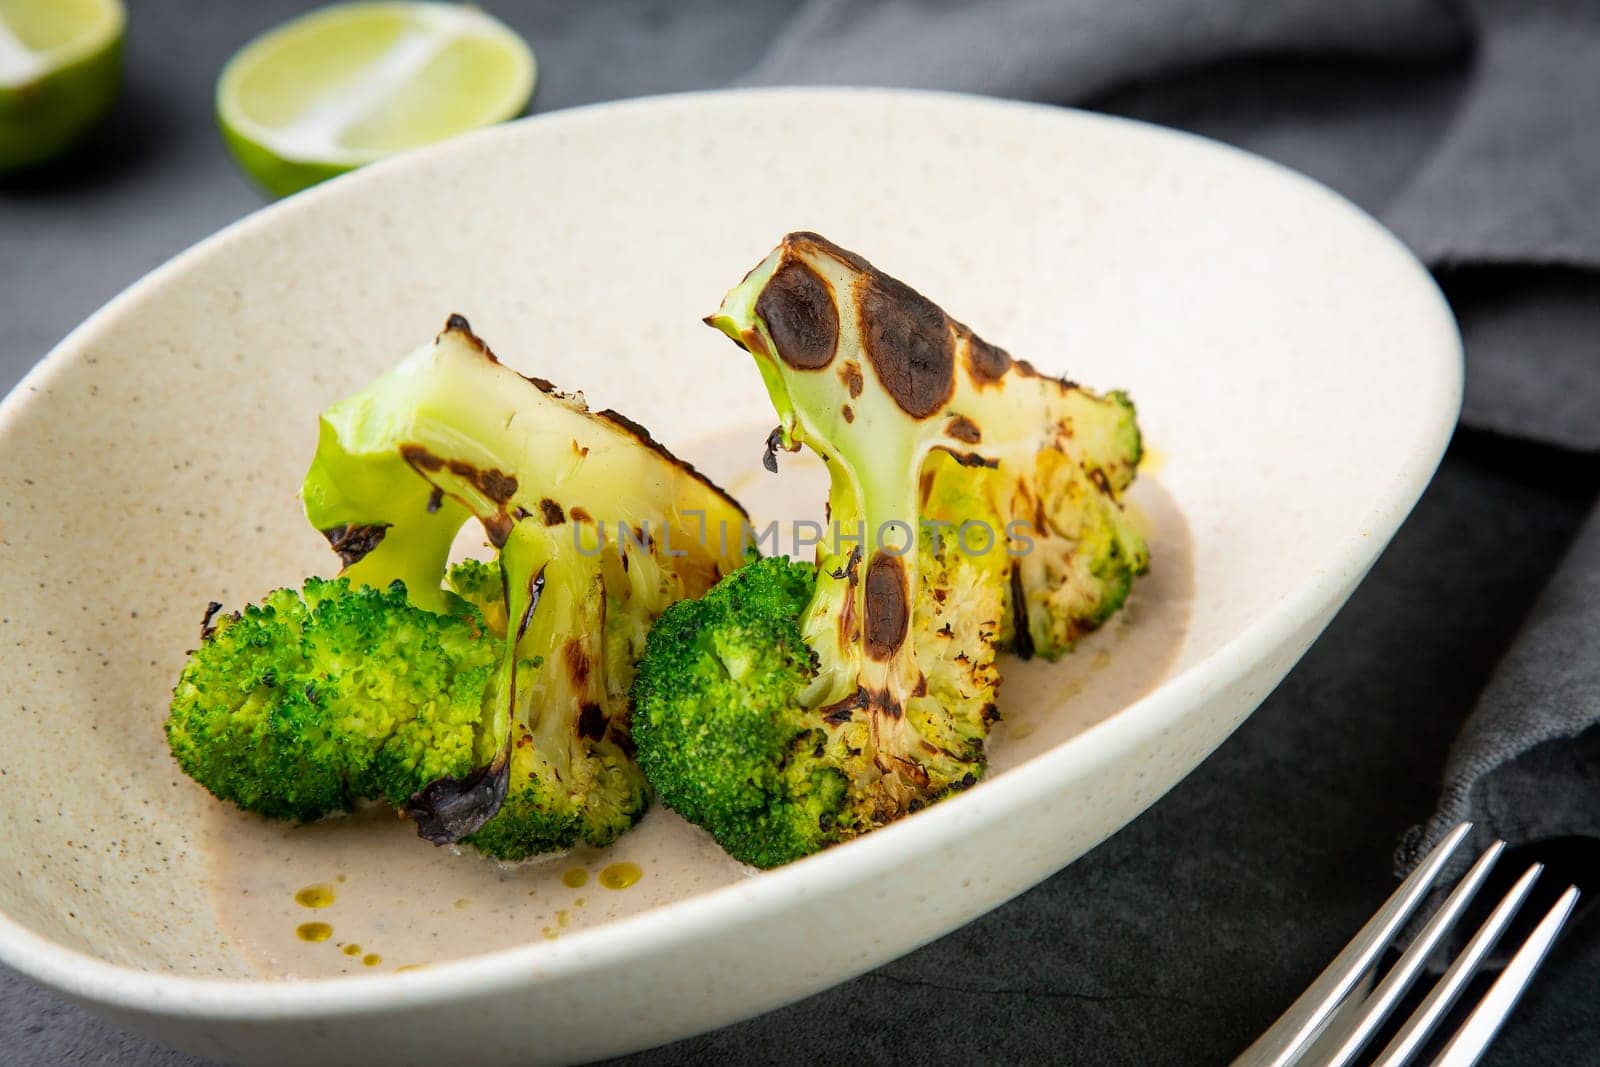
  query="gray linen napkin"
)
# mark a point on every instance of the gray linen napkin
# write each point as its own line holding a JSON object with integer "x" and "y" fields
{"x": 1475, "y": 135}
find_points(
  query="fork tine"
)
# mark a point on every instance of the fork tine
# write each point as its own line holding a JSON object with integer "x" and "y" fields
{"x": 1484, "y": 1022}
{"x": 1444, "y": 994}
{"x": 1287, "y": 1037}
{"x": 1404, "y": 972}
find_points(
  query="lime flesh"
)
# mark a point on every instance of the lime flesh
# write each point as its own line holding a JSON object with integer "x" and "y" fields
{"x": 349, "y": 84}
{"x": 60, "y": 64}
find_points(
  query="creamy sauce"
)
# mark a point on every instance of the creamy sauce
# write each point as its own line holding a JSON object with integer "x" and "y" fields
{"x": 402, "y": 904}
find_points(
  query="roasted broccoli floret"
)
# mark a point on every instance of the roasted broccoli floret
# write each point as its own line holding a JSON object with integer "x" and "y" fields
{"x": 314, "y": 699}
{"x": 974, "y": 504}
{"x": 725, "y": 735}
{"x": 598, "y": 529}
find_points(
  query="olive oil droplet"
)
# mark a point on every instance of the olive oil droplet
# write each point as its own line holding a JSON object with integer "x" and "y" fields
{"x": 562, "y": 919}
{"x": 313, "y": 931}
{"x": 314, "y": 896}
{"x": 409, "y": 967}
{"x": 352, "y": 949}
{"x": 620, "y": 875}
{"x": 372, "y": 959}
{"x": 576, "y": 878}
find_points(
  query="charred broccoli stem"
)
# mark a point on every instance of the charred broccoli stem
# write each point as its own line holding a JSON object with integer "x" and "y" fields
{"x": 922, "y": 420}
{"x": 974, "y": 503}
{"x": 598, "y": 527}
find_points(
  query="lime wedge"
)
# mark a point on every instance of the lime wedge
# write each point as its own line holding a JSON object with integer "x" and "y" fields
{"x": 345, "y": 85}
{"x": 60, "y": 61}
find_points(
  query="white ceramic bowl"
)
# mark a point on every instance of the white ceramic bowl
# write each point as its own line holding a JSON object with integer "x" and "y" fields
{"x": 1295, "y": 368}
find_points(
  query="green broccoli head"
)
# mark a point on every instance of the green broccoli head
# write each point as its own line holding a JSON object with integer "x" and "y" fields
{"x": 300, "y": 705}
{"x": 727, "y": 735}
{"x": 719, "y": 724}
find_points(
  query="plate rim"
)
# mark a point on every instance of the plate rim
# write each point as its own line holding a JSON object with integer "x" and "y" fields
{"x": 120, "y": 986}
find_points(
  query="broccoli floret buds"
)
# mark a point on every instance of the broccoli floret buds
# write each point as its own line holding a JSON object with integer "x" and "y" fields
{"x": 314, "y": 699}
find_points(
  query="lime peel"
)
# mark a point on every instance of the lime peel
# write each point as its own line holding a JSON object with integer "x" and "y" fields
{"x": 288, "y": 137}
{"x": 60, "y": 66}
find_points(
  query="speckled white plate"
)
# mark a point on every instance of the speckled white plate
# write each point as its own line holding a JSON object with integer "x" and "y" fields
{"x": 1297, "y": 375}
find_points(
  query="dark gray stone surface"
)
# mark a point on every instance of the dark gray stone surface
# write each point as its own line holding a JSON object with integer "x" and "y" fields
{"x": 1182, "y": 937}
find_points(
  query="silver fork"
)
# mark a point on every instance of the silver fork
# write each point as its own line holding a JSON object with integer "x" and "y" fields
{"x": 1289, "y": 1039}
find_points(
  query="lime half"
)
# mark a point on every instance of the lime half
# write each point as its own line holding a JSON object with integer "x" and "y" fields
{"x": 348, "y": 84}
{"x": 60, "y": 62}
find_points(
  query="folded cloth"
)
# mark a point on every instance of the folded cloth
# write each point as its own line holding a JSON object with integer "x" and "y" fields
{"x": 1526, "y": 767}
{"x": 1472, "y": 129}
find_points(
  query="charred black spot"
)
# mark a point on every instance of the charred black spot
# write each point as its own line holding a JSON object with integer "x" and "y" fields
{"x": 421, "y": 458}
{"x": 1098, "y": 477}
{"x": 498, "y": 528}
{"x": 1019, "y": 614}
{"x": 805, "y": 240}
{"x": 206, "y": 629}
{"x": 915, "y": 805}
{"x": 990, "y": 713}
{"x": 591, "y": 722}
{"x": 535, "y": 591}
{"x": 435, "y": 500}
{"x": 553, "y": 515}
{"x": 848, "y": 412}
{"x": 576, "y": 656}
{"x": 497, "y": 485}
{"x": 888, "y": 609}
{"x": 769, "y": 458}
{"x": 850, "y": 375}
{"x": 967, "y": 782}
{"x": 842, "y": 711}
{"x": 458, "y": 324}
{"x": 970, "y": 459}
{"x": 909, "y": 342}
{"x": 797, "y": 306}
{"x": 354, "y": 541}
{"x": 581, "y": 515}
{"x": 544, "y": 385}
{"x": 986, "y": 363}
{"x": 448, "y": 809}
{"x": 849, "y": 568}
{"x": 921, "y": 688}
{"x": 964, "y": 429}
